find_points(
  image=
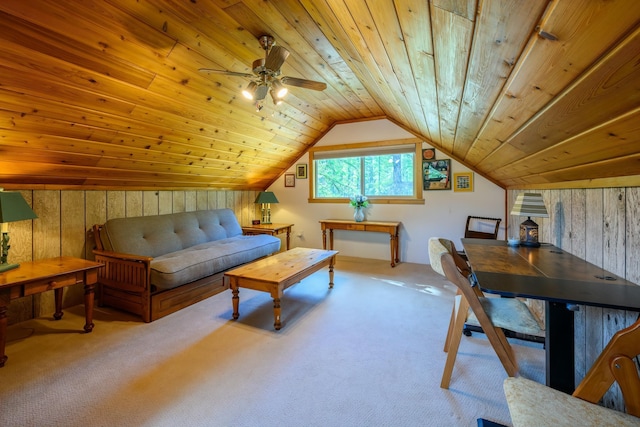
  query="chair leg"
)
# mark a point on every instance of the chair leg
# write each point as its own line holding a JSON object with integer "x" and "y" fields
{"x": 503, "y": 349}
{"x": 452, "y": 323}
{"x": 454, "y": 344}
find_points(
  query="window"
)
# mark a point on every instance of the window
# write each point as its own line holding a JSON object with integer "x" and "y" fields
{"x": 385, "y": 173}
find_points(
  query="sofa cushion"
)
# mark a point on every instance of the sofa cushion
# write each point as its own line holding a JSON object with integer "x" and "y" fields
{"x": 157, "y": 235}
{"x": 184, "y": 266}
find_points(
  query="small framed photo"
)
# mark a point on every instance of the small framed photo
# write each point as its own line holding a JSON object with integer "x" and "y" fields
{"x": 463, "y": 181}
{"x": 428, "y": 153}
{"x": 301, "y": 171}
{"x": 289, "y": 180}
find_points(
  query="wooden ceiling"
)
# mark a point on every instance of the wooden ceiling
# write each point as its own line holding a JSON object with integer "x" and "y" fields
{"x": 107, "y": 94}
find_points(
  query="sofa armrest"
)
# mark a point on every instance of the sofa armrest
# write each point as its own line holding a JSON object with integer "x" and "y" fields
{"x": 126, "y": 272}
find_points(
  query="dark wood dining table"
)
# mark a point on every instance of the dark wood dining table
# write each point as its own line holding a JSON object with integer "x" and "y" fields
{"x": 559, "y": 278}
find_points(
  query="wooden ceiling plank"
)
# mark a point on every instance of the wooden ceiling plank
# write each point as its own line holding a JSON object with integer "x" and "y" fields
{"x": 586, "y": 29}
{"x": 589, "y": 101}
{"x": 452, "y": 43}
{"x": 345, "y": 31}
{"x": 415, "y": 21}
{"x": 86, "y": 124}
{"x": 37, "y": 48}
{"x": 72, "y": 171}
{"x": 617, "y": 138}
{"x": 362, "y": 15}
{"x": 80, "y": 24}
{"x": 501, "y": 33}
{"x": 387, "y": 22}
{"x": 171, "y": 153}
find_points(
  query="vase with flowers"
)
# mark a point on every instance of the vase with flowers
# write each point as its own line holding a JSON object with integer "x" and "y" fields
{"x": 359, "y": 202}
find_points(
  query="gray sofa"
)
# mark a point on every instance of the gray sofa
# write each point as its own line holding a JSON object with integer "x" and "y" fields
{"x": 156, "y": 265}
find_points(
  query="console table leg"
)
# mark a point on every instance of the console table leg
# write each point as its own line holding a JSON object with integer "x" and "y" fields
{"x": 89, "y": 294}
{"x": 4, "y": 302}
{"x": 58, "y": 299}
{"x": 276, "y": 313}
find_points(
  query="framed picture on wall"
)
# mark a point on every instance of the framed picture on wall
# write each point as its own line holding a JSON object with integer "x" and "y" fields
{"x": 301, "y": 171}
{"x": 428, "y": 153}
{"x": 463, "y": 181}
{"x": 289, "y": 180}
{"x": 436, "y": 174}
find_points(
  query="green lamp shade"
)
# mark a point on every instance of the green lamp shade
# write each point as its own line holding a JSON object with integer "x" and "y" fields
{"x": 266, "y": 197}
{"x": 13, "y": 207}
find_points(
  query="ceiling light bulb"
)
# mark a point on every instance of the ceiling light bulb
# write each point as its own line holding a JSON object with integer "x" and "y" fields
{"x": 250, "y": 91}
{"x": 281, "y": 91}
{"x": 276, "y": 100}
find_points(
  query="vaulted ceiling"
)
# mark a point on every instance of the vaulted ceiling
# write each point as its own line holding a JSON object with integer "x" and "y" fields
{"x": 107, "y": 94}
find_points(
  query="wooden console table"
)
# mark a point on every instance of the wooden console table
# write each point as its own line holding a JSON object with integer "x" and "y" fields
{"x": 390, "y": 227}
{"x": 35, "y": 277}
{"x": 271, "y": 229}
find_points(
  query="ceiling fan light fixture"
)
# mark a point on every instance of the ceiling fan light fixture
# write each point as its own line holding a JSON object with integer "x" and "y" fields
{"x": 250, "y": 91}
{"x": 279, "y": 88}
{"x": 274, "y": 97}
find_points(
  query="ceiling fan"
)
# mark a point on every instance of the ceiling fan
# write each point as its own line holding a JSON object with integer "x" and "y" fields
{"x": 266, "y": 71}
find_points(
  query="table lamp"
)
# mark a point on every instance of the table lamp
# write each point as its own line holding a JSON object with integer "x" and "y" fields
{"x": 13, "y": 207}
{"x": 265, "y": 198}
{"x": 529, "y": 204}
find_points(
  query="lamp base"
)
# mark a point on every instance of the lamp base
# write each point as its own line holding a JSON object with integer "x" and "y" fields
{"x": 529, "y": 234}
{"x": 5, "y": 267}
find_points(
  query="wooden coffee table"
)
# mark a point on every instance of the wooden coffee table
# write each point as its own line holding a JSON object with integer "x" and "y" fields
{"x": 276, "y": 273}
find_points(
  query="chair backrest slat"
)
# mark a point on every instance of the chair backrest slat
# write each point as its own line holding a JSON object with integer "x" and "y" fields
{"x": 615, "y": 363}
{"x": 472, "y": 231}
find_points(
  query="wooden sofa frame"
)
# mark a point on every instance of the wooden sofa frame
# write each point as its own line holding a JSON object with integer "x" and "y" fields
{"x": 125, "y": 283}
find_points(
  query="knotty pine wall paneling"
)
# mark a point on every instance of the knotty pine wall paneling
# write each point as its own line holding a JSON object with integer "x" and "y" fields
{"x": 47, "y": 240}
{"x": 21, "y": 241}
{"x": 65, "y": 219}
{"x": 72, "y": 236}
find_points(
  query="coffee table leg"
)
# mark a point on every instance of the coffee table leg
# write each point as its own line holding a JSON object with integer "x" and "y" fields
{"x": 331, "y": 272}
{"x": 276, "y": 313}
{"x": 236, "y": 300}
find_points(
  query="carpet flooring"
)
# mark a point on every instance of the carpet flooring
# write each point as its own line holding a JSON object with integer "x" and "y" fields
{"x": 366, "y": 353}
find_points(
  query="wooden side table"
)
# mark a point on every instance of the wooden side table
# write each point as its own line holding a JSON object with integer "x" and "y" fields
{"x": 390, "y": 227}
{"x": 35, "y": 277}
{"x": 271, "y": 229}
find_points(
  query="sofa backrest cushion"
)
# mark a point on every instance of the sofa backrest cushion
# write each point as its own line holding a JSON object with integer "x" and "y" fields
{"x": 161, "y": 234}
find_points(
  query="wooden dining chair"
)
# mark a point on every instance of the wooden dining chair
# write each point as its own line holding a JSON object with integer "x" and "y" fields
{"x": 492, "y": 314}
{"x": 479, "y": 227}
{"x": 436, "y": 247}
{"x": 528, "y": 400}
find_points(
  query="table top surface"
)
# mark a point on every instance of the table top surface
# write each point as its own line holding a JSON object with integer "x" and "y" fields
{"x": 547, "y": 273}
{"x": 269, "y": 227}
{"x": 281, "y": 266}
{"x": 365, "y": 222}
{"x": 45, "y": 268}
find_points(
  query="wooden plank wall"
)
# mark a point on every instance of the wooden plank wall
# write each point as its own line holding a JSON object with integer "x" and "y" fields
{"x": 65, "y": 219}
{"x": 602, "y": 226}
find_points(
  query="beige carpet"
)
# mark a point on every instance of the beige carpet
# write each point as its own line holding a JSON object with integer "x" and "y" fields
{"x": 367, "y": 353}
